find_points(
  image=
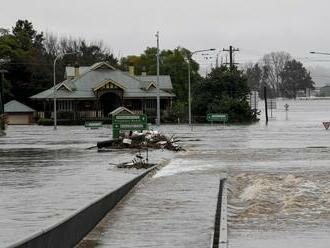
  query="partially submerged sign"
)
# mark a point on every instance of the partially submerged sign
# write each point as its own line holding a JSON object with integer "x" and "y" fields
{"x": 93, "y": 124}
{"x": 326, "y": 124}
{"x": 217, "y": 117}
{"x": 128, "y": 123}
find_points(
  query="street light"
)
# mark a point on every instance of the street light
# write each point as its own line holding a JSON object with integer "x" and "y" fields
{"x": 189, "y": 91}
{"x": 54, "y": 93}
{"x": 320, "y": 53}
{"x": 158, "y": 86}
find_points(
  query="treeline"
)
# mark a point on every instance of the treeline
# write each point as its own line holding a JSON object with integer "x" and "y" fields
{"x": 223, "y": 90}
{"x": 28, "y": 56}
{"x": 281, "y": 74}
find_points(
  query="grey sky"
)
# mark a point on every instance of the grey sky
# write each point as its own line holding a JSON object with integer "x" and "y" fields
{"x": 128, "y": 26}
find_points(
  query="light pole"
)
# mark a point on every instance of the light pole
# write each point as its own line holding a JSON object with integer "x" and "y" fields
{"x": 54, "y": 90}
{"x": 158, "y": 86}
{"x": 189, "y": 86}
{"x": 320, "y": 53}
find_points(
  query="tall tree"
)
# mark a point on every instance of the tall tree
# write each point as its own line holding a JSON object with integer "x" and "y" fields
{"x": 224, "y": 90}
{"x": 172, "y": 62}
{"x": 29, "y": 56}
{"x": 254, "y": 76}
{"x": 295, "y": 77}
{"x": 273, "y": 64}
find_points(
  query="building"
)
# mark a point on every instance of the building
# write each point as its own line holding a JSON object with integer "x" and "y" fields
{"x": 325, "y": 91}
{"x": 95, "y": 91}
{"x": 18, "y": 113}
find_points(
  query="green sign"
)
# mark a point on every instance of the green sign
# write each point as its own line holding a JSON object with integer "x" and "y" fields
{"x": 217, "y": 117}
{"x": 128, "y": 123}
{"x": 130, "y": 119}
{"x": 94, "y": 124}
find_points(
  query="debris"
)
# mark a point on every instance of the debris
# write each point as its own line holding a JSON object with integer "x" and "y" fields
{"x": 127, "y": 141}
{"x": 142, "y": 140}
{"x": 138, "y": 162}
{"x": 131, "y": 165}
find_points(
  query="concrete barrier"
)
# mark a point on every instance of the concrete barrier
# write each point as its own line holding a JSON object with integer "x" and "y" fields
{"x": 73, "y": 229}
{"x": 219, "y": 237}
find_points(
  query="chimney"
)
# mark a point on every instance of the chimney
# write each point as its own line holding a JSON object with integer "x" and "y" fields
{"x": 143, "y": 74}
{"x": 76, "y": 70}
{"x": 131, "y": 70}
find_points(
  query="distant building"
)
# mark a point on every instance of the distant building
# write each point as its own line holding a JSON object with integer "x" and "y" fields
{"x": 325, "y": 91}
{"x": 19, "y": 114}
{"x": 95, "y": 91}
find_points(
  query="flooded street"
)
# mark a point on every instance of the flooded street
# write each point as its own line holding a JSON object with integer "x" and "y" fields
{"x": 278, "y": 175}
{"x": 47, "y": 175}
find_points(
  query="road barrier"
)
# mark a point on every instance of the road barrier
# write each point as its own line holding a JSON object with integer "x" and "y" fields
{"x": 219, "y": 238}
{"x": 73, "y": 229}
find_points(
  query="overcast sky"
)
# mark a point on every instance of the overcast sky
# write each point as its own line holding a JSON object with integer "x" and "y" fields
{"x": 255, "y": 27}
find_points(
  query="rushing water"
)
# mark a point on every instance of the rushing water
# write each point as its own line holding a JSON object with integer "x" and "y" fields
{"x": 279, "y": 183}
{"x": 278, "y": 174}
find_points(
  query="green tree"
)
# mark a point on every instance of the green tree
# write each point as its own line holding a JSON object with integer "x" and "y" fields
{"x": 172, "y": 62}
{"x": 224, "y": 90}
{"x": 29, "y": 57}
{"x": 254, "y": 76}
{"x": 295, "y": 77}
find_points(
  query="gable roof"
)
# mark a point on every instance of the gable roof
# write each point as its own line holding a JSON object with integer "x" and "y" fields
{"x": 120, "y": 110}
{"x": 85, "y": 85}
{"x": 17, "y": 107}
{"x": 108, "y": 81}
{"x": 164, "y": 81}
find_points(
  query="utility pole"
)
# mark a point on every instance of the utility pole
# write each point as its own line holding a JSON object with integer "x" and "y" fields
{"x": 231, "y": 51}
{"x": 158, "y": 86}
{"x": 266, "y": 107}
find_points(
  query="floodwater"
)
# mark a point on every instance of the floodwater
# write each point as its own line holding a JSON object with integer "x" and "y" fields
{"x": 47, "y": 175}
{"x": 278, "y": 179}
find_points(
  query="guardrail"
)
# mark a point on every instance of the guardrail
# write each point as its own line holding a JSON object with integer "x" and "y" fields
{"x": 73, "y": 229}
{"x": 219, "y": 237}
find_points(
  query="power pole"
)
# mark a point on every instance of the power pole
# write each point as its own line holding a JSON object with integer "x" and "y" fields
{"x": 158, "y": 86}
{"x": 266, "y": 107}
{"x": 231, "y": 51}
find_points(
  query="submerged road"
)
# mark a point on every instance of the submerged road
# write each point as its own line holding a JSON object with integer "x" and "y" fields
{"x": 180, "y": 213}
{"x": 278, "y": 181}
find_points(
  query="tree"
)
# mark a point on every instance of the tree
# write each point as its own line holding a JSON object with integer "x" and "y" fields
{"x": 295, "y": 77}
{"x": 30, "y": 55}
{"x": 273, "y": 64}
{"x": 224, "y": 90}
{"x": 173, "y": 63}
{"x": 254, "y": 76}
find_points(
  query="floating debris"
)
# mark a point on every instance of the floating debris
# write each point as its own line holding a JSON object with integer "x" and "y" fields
{"x": 142, "y": 140}
{"x": 138, "y": 162}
